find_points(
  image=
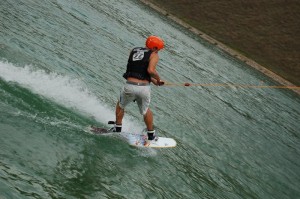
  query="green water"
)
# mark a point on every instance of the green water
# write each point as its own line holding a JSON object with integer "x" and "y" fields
{"x": 61, "y": 70}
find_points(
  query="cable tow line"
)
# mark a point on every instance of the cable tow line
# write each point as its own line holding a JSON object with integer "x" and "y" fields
{"x": 230, "y": 85}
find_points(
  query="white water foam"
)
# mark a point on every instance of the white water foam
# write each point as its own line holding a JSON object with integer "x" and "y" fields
{"x": 68, "y": 92}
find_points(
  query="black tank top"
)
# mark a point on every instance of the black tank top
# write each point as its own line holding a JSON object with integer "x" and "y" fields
{"x": 137, "y": 65}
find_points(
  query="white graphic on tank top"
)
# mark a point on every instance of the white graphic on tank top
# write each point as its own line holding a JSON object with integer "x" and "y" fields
{"x": 139, "y": 55}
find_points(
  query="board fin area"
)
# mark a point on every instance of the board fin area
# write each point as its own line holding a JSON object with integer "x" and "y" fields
{"x": 97, "y": 130}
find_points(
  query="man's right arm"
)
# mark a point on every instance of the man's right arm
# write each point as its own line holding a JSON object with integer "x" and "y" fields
{"x": 152, "y": 66}
{"x": 155, "y": 79}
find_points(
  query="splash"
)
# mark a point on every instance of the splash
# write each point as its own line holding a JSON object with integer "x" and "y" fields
{"x": 64, "y": 90}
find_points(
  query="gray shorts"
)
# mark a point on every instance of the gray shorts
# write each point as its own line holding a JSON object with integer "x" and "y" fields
{"x": 141, "y": 94}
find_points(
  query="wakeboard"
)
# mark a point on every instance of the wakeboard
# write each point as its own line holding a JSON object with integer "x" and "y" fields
{"x": 136, "y": 139}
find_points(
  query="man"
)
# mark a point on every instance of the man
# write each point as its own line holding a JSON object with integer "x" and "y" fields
{"x": 141, "y": 71}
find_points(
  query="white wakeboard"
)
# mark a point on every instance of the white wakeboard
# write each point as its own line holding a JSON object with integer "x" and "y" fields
{"x": 137, "y": 139}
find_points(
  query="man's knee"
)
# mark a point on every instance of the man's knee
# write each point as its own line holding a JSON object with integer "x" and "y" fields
{"x": 147, "y": 112}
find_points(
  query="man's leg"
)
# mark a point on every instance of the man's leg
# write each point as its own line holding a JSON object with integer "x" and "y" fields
{"x": 148, "y": 118}
{"x": 119, "y": 117}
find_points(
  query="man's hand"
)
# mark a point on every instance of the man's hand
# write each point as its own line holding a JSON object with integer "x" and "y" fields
{"x": 157, "y": 82}
{"x": 160, "y": 83}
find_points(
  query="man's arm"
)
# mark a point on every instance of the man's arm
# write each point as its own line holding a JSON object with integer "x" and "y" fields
{"x": 152, "y": 69}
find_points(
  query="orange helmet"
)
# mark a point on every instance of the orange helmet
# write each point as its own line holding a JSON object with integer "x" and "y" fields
{"x": 155, "y": 42}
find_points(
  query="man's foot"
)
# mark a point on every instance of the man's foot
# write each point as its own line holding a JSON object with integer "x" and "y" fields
{"x": 151, "y": 134}
{"x": 117, "y": 128}
{"x": 152, "y": 139}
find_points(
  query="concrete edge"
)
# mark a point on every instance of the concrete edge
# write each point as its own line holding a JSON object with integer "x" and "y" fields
{"x": 225, "y": 48}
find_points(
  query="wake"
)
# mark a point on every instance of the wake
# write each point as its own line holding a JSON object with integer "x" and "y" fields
{"x": 64, "y": 90}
